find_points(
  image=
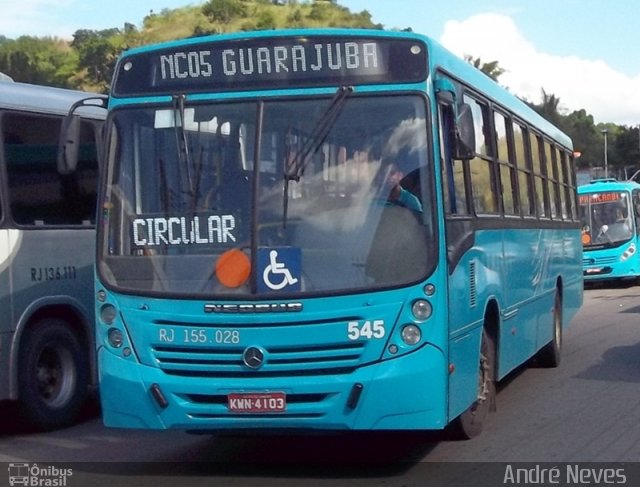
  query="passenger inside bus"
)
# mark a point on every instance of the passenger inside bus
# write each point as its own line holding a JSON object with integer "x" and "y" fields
{"x": 616, "y": 226}
{"x": 619, "y": 229}
{"x": 397, "y": 185}
{"x": 397, "y": 194}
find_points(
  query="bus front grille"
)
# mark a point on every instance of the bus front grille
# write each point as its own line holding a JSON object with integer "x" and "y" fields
{"x": 599, "y": 261}
{"x": 278, "y": 361}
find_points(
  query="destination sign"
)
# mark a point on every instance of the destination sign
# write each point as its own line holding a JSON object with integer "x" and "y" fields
{"x": 279, "y": 62}
{"x": 162, "y": 231}
{"x": 600, "y": 197}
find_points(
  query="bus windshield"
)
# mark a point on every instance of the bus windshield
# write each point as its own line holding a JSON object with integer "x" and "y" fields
{"x": 283, "y": 196}
{"x": 606, "y": 218}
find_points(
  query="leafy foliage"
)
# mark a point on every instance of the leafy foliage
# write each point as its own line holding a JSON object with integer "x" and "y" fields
{"x": 491, "y": 69}
{"x": 38, "y": 60}
{"x": 623, "y": 143}
{"x": 87, "y": 62}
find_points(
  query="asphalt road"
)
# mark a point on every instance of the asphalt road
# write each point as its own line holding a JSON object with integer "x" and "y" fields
{"x": 587, "y": 410}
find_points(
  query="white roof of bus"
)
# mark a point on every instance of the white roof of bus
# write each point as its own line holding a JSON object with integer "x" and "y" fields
{"x": 44, "y": 99}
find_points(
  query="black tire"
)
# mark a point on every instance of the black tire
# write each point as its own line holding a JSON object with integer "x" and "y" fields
{"x": 551, "y": 353}
{"x": 53, "y": 374}
{"x": 469, "y": 424}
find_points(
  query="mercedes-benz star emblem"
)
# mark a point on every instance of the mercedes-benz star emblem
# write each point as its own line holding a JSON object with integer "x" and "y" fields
{"x": 253, "y": 357}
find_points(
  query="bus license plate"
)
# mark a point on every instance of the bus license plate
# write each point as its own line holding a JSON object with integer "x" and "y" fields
{"x": 267, "y": 402}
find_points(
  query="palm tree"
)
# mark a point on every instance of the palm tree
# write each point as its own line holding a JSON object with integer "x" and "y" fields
{"x": 491, "y": 69}
{"x": 549, "y": 107}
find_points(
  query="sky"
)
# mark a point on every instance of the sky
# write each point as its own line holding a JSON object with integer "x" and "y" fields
{"x": 585, "y": 52}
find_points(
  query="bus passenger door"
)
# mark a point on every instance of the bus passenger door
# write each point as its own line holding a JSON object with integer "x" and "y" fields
{"x": 460, "y": 240}
{"x": 7, "y": 244}
{"x": 635, "y": 206}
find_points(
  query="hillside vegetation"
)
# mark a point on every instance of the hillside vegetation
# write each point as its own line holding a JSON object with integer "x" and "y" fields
{"x": 86, "y": 62}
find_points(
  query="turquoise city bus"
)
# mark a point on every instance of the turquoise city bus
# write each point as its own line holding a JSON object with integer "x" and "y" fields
{"x": 325, "y": 229}
{"x": 609, "y": 211}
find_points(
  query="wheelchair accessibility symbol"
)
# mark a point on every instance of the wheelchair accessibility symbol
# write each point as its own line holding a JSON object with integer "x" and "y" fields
{"x": 281, "y": 269}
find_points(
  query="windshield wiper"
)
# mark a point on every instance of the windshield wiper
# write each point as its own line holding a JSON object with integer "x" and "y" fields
{"x": 293, "y": 170}
{"x": 182, "y": 144}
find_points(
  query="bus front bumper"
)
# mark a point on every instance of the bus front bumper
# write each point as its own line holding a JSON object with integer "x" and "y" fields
{"x": 405, "y": 393}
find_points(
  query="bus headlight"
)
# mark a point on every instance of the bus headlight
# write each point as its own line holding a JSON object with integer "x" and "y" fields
{"x": 628, "y": 253}
{"x": 411, "y": 334}
{"x": 108, "y": 314}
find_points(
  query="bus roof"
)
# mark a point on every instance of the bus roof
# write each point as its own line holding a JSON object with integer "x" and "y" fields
{"x": 439, "y": 59}
{"x": 599, "y": 185}
{"x": 45, "y": 99}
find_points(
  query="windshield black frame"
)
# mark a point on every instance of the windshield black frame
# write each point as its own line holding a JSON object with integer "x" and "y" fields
{"x": 286, "y": 217}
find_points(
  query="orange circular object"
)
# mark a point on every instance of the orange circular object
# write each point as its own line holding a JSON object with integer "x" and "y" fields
{"x": 233, "y": 268}
{"x": 586, "y": 239}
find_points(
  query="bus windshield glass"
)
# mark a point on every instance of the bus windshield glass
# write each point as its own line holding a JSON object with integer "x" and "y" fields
{"x": 254, "y": 198}
{"x": 606, "y": 218}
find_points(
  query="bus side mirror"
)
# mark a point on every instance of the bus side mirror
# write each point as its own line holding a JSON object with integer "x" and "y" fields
{"x": 69, "y": 139}
{"x": 462, "y": 129}
{"x": 69, "y": 145}
{"x": 464, "y": 146}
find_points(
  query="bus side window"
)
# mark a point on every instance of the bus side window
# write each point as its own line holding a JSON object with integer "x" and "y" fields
{"x": 636, "y": 208}
{"x": 454, "y": 186}
{"x": 38, "y": 194}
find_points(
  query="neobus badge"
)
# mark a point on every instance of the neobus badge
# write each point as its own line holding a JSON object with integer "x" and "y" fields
{"x": 252, "y": 308}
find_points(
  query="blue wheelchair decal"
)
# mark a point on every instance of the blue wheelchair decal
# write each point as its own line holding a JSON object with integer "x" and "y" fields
{"x": 280, "y": 268}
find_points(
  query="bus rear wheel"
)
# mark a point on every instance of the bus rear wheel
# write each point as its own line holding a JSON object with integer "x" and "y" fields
{"x": 53, "y": 374}
{"x": 469, "y": 424}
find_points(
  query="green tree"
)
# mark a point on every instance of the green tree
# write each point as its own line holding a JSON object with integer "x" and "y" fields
{"x": 627, "y": 146}
{"x": 37, "y": 60}
{"x": 223, "y": 11}
{"x": 265, "y": 20}
{"x": 97, "y": 53}
{"x": 550, "y": 108}
{"x": 295, "y": 18}
{"x": 579, "y": 125}
{"x": 615, "y": 162}
{"x": 491, "y": 69}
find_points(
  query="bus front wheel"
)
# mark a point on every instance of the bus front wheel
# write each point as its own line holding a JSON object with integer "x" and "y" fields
{"x": 53, "y": 374}
{"x": 469, "y": 424}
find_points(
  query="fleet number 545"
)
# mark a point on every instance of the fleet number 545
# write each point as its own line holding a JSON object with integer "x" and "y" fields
{"x": 369, "y": 329}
